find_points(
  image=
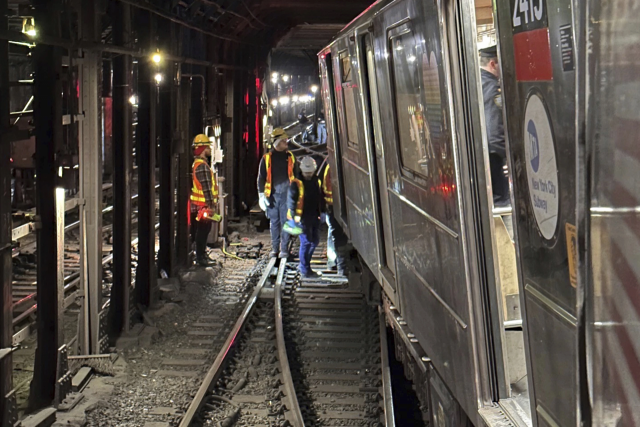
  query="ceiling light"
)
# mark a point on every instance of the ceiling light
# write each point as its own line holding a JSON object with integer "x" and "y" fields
{"x": 29, "y": 27}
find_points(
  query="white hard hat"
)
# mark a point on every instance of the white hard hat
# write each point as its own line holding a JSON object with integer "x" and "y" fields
{"x": 308, "y": 165}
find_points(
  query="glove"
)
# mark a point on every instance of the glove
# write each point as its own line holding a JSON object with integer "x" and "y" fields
{"x": 263, "y": 201}
{"x": 297, "y": 219}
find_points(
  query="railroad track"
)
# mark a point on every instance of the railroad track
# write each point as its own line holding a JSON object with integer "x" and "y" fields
{"x": 24, "y": 286}
{"x": 301, "y": 353}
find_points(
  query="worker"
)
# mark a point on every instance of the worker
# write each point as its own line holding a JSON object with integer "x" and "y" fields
{"x": 304, "y": 207}
{"x": 204, "y": 198}
{"x": 275, "y": 172}
{"x": 321, "y": 130}
{"x": 492, "y": 95}
{"x": 303, "y": 121}
{"x": 336, "y": 239}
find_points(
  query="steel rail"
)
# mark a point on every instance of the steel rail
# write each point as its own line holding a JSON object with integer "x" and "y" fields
{"x": 387, "y": 391}
{"x": 287, "y": 378}
{"x": 218, "y": 365}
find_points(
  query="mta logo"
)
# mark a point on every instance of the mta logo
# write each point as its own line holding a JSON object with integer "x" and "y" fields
{"x": 533, "y": 146}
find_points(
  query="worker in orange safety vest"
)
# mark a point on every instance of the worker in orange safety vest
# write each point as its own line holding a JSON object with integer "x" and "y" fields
{"x": 276, "y": 171}
{"x": 204, "y": 198}
{"x": 336, "y": 239}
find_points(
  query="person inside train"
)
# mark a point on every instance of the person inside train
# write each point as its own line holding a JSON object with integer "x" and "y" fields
{"x": 304, "y": 207}
{"x": 492, "y": 97}
{"x": 275, "y": 172}
{"x": 336, "y": 239}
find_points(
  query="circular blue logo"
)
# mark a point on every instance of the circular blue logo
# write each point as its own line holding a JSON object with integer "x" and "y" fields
{"x": 534, "y": 147}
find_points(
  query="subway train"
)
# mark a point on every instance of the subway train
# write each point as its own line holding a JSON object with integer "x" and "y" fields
{"x": 521, "y": 316}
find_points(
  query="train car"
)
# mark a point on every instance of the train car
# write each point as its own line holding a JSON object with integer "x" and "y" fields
{"x": 499, "y": 311}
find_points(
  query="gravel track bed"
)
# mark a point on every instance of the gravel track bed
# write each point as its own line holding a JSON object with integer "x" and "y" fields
{"x": 143, "y": 392}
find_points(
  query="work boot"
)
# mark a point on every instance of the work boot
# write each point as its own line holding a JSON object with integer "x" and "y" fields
{"x": 273, "y": 254}
{"x": 204, "y": 262}
{"x": 312, "y": 275}
{"x": 284, "y": 255}
{"x": 342, "y": 272}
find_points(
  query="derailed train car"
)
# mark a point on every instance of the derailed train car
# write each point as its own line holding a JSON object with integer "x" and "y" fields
{"x": 506, "y": 316}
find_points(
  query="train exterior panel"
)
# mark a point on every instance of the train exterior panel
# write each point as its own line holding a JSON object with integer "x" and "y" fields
{"x": 543, "y": 153}
{"x": 411, "y": 149}
{"x": 532, "y": 324}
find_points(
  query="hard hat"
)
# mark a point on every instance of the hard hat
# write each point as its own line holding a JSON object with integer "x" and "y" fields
{"x": 201, "y": 140}
{"x": 279, "y": 133}
{"x": 308, "y": 165}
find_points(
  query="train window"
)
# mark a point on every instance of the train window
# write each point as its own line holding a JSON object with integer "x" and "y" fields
{"x": 350, "y": 112}
{"x": 413, "y": 129}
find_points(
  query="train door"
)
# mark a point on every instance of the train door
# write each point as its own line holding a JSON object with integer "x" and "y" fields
{"x": 379, "y": 171}
{"x": 333, "y": 143}
{"x": 492, "y": 254}
{"x": 537, "y": 59}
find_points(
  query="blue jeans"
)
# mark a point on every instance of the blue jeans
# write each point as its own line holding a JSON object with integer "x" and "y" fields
{"x": 309, "y": 240}
{"x": 278, "y": 216}
{"x": 336, "y": 241}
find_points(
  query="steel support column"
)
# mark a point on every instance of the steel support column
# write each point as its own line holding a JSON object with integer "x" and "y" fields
{"x": 48, "y": 132}
{"x": 7, "y": 397}
{"x": 184, "y": 172}
{"x": 229, "y": 135}
{"x": 90, "y": 186}
{"x": 122, "y": 159}
{"x": 167, "y": 172}
{"x": 253, "y": 141}
{"x": 146, "y": 276}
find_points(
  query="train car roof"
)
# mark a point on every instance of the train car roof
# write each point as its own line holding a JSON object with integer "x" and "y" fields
{"x": 366, "y": 15}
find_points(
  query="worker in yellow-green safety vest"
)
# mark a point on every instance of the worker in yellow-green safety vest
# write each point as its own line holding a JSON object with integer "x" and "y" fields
{"x": 304, "y": 206}
{"x": 204, "y": 198}
{"x": 336, "y": 239}
{"x": 276, "y": 171}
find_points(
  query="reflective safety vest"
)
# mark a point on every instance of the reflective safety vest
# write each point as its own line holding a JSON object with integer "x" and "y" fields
{"x": 327, "y": 189}
{"x": 197, "y": 195}
{"x": 300, "y": 202}
{"x": 267, "y": 160}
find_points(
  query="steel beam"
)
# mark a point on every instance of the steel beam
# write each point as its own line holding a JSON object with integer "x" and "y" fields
{"x": 184, "y": 171}
{"x": 122, "y": 160}
{"x": 146, "y": 276}
{"x": 50, "y": 226}
{"x": 167, "y": 163}
{"x": 228, "y": 137}
{"x": 7, "y": 398}
{"x": 90, "y": 187}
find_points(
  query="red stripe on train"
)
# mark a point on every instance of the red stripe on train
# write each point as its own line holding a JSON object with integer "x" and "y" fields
{"x": 532, "y": 53}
